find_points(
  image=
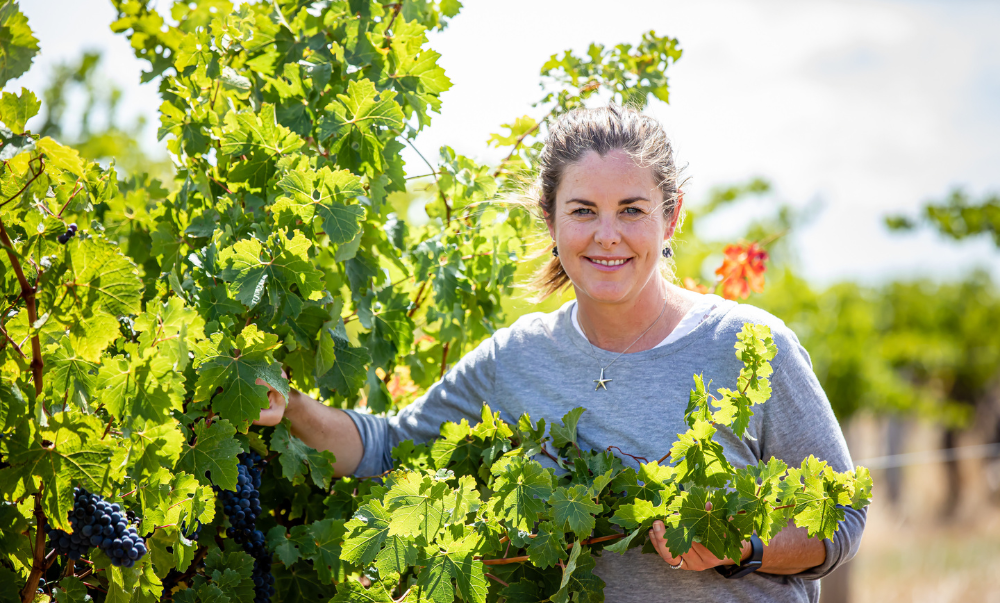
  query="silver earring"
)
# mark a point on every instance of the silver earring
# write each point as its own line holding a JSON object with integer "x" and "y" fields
{"x": 555, "y": 251}
{"x": 667, "y": 251}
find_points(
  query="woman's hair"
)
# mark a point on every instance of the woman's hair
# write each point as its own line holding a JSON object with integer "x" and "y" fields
{"x": 602, "y": 130}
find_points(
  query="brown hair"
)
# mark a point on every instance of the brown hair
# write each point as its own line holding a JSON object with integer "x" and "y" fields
{"x": 602, "y": 129}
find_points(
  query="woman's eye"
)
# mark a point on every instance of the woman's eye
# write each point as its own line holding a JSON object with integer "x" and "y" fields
{"x": 633, "y": 211}
{"x": 580, "y": 211}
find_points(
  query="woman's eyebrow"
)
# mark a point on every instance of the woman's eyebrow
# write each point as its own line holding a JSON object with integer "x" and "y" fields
{"x": 592, "y": 204}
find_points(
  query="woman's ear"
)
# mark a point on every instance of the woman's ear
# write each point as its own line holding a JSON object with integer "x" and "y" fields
{"x": 677, "y": 215}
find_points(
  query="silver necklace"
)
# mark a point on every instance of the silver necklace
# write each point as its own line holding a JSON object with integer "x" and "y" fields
{"x": 602, "y": 382}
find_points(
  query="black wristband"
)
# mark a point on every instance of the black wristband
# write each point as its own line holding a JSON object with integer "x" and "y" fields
{"x": 752, "y": 564}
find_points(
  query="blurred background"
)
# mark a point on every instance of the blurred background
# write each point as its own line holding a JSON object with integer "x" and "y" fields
{"x": 859, "y": 139}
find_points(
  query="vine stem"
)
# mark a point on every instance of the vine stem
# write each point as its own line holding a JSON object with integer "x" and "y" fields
{"x": 28, "y": 293}
{"x": 38, "y": 552}
{"x": 447, "y": 206}
{"x": 444, "y": 360}
{"x": 495, "y": 579}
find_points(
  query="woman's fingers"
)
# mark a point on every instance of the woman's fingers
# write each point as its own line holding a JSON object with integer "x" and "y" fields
{"x": 276, "y": 409}
{"x": 660, "y": 544}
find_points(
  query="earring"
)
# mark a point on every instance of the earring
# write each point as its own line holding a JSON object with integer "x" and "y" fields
{"x": 667, "y": 251}
{"x": 555, "y": 251}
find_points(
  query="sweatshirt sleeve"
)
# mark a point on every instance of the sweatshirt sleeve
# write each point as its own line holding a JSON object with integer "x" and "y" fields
{"x": 459, "y": 395}
{"x": 798, "y": 421}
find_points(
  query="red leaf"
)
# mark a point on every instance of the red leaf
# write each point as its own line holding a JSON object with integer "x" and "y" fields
{"x": 692, "y": 285}
{"x": 742, "y": 271}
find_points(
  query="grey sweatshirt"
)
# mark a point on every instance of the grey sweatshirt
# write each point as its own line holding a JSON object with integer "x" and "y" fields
{"x": 542, "y": 366}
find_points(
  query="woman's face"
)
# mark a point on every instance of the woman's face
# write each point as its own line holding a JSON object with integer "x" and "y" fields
{"x": 609, "y": 226}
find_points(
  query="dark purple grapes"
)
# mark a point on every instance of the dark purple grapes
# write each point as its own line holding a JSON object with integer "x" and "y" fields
{"x": 97, "y": 523}
{"x": 69, "y": 234}
{"x": 242, "y": 508}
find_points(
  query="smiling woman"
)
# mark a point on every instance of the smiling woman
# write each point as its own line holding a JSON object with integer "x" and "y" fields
{"x": 607, "y": 190}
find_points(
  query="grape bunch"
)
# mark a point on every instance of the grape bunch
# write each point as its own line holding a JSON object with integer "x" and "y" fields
{"x": 69, "y": 234}
{"x": 96, "y": 523}
{"x": 242, "y": 507}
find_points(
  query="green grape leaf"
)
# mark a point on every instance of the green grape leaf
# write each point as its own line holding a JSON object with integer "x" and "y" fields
{"x": 565, "y": 434}
{"x": 327, "y": 535}
{"x": 695, "y": 523}
{"x": 13, "y": 406}
{"x": 212, "y": 457}
{"x": 298, "y": 459}
{"x": 366, "y": 533}
{"x": 234, "y": 367}
{"x": 574, "y": 507}
{"x": 67, "y": 452}
{"x": 17, "y": 109}
{"x": 699, "y": 459}
{"x": 817, "y": 495}
{"x": 353, "y": 592}
{"x": 522, "y": 486}
{"x": 398, "y": 555}
{"x": 252, "y": 268}
{"x": 456, "y": 562}
{"x": 548, "y": 548}
{"x": 246, "y": 132}
{"x": 100, "y": 277}
{"x": 361, "y": 109}
{"x": 417, "y": 504}
{"x": 18, "y": 45}
{"x": 579, "y": 579}
{"x": 323, "y": 194}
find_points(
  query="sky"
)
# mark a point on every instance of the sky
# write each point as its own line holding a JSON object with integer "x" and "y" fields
{"x": 861, "y": 108}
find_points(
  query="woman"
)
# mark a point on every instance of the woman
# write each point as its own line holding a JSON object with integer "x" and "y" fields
{"x": 625, "y": 349}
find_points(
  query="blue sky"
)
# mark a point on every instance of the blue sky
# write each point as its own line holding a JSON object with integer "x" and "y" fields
{"x": 866, "y": 107}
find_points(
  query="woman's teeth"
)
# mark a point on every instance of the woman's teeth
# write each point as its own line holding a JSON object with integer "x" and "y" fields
{"x": 609, "y": 262}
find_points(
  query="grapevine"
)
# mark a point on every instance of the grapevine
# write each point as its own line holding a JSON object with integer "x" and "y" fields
{"x": 139, "y": 318}
{"x": 455, "y": 504}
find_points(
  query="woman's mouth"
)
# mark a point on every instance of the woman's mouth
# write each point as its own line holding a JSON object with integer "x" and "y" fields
{"x": 608, "y": 263}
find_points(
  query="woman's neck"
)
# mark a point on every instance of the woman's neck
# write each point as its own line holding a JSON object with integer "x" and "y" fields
{"x": 616, "y": 327}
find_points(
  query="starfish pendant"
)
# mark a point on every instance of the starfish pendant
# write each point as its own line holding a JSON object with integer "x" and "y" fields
{"x": 602, "y": 382}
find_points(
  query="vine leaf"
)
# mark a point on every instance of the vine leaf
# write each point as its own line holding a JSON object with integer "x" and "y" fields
{"x": 353, "y": 592}
{"x": 565, "y": 434}
{"x": 323, "y": 194}
{"x": 235, "y": 367}
{"x": 297, "y": 459}
{"x": 212, "y": 458}
{"x": 101, "y": 278}
{"x": 66, "y": 453}
{"x": 18, "y": 45}
{"x": 417, "y": 503}
{"x": 17, "y": 109}
{"x": 547, "y": 548}
{"x": 366, "y": 532}
{"x": 456, "y": 562}
{"x": 574, "y": 507}
{"x": 254, "y": 269}
{"x": 522, "y": 486}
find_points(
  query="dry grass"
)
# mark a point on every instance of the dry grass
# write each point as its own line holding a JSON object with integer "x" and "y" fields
{"x": 910, "y": 552}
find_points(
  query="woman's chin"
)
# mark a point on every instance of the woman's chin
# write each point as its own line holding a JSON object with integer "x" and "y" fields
{"x": 604, "y": 294}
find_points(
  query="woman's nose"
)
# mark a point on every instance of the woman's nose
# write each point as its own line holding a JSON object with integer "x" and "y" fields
{"x": 607, "y": 234}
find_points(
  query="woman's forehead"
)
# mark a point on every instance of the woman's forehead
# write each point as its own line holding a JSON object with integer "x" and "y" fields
{"x": 613, "y": 174}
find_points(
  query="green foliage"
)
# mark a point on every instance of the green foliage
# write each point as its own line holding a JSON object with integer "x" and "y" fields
{"x": 18, "y": 45}
{"x": 434, "y": 531}
{"x": 958, "y": 217}
{"x": 137, "y": 355}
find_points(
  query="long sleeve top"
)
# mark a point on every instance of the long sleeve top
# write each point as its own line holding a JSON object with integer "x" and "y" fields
{"x": 543, "y": 366}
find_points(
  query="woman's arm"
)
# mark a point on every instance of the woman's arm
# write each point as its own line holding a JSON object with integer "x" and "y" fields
{"x": 318, "y": 425}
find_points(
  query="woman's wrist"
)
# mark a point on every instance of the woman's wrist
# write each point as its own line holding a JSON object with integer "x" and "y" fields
{"x": 293, "y": 404}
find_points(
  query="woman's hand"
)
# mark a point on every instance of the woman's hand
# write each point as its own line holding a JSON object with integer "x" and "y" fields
{"x": 272, "y": 414}
{"x": 697, "y": 559}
